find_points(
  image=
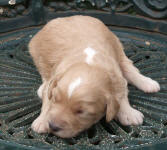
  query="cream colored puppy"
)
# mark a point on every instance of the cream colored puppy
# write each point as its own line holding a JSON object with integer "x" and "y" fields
{"x": 85, "y": 72}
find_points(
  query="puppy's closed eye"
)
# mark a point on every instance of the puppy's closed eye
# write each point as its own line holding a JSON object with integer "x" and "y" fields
{"x": 84, "y": 113}
{"x": 79, "y": 111}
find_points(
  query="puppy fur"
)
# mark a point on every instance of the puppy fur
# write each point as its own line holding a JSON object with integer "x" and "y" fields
{"x": 84, "y": 72}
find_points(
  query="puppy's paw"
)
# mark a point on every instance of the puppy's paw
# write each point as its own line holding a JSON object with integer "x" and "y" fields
{"x": 130, "y": 116}
{"x": 40, "y": 125}
{"x": 39, "y": 91}
{"x": 149, "y": 86}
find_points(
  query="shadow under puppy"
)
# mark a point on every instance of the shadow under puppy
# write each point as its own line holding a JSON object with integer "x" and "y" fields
{"x": 84, "y": 72}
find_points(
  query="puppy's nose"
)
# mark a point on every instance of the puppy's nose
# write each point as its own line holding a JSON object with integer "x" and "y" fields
{"x": 53, "y": 127}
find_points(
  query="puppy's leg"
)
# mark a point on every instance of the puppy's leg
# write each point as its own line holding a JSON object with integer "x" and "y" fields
{"x": 131, "y": 73}
{"x": 126, "y": 114}
{"x": 40, "y": 124}
{"x": 133, "y": 76}
{"x": 40, "y": 89}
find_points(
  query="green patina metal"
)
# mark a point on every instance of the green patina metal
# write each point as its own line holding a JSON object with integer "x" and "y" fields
{"x": 19, "y": 79}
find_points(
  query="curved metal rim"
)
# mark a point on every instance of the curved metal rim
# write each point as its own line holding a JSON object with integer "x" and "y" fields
{"x": 107, "y": 18}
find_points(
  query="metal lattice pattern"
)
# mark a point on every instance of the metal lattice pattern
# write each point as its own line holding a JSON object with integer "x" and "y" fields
{"x": 19, "y": 105}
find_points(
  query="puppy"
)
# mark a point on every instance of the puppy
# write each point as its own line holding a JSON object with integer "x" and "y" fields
{"x": 84, "y": 72}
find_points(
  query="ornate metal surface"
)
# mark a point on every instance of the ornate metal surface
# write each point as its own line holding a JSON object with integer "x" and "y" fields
{"x": 128, "y": 13}
{"x": 19, "y": 104}
{"x": 141, "y": 26}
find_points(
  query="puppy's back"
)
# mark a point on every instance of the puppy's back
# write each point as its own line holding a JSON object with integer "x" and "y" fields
{"x": 69, "y": 36}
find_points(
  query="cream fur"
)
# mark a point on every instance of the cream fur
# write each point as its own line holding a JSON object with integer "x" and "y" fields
{"x": 73, "y": 86}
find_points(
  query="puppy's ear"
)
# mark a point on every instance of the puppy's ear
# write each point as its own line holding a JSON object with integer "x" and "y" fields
{"x": 52, "y": 88}
{"x": 112, "y": 107}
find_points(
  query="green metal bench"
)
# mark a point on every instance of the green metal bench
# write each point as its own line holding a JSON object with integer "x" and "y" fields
{"x": 141, "y": 26}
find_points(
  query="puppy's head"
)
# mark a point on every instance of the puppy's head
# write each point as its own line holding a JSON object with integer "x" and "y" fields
{"x": 78, "y": 100}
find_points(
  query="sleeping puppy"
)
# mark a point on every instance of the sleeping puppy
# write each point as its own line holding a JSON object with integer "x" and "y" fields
{"x": 85, "y": 73}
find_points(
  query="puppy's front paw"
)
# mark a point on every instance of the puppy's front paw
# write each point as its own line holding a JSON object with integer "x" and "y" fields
{"x": 40, "y": 125}
{"x": 149, "y": 86}
{"x": 130, "y": 116}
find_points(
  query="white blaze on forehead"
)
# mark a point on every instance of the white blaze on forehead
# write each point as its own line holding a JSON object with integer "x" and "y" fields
{"x": 90, "y": 52}
{"x": 73, "y": 86}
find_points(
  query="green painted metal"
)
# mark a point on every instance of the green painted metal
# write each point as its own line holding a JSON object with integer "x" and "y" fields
{"x": 19, "y": 104}
{"x": 19, "y": 79}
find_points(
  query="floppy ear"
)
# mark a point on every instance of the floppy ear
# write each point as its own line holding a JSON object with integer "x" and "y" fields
{"x": 51, "y": 88}
{"x": 112, "y": 107}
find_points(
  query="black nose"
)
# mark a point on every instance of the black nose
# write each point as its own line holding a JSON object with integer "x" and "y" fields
{"x": 54, "y": 128}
